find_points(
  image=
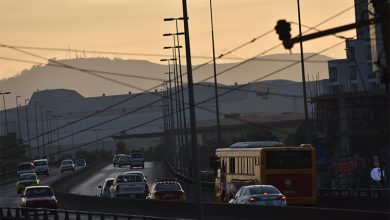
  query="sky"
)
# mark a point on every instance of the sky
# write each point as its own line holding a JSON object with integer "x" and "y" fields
{"x": 137, "y": 27}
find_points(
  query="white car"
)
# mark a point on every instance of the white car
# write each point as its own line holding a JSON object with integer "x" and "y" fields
{"x": 41, "y": 167}
{"x": 129, "y": 185}
{"x": 105, "y": 188}
{"x": 25, "y": 167}
{"x": 67, "y": 165}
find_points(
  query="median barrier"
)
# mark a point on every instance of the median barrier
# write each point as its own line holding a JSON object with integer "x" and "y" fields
{"x": 170, "y": 209}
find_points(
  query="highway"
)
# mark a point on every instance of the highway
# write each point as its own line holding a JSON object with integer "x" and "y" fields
{"x": 153, "y": 170}
{"x": 9, "y": 197}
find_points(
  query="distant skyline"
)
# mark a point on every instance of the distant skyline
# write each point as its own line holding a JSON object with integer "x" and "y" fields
{"x": 137, "y": 26}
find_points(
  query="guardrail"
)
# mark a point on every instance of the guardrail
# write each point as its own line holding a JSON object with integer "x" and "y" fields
{"x": 353, "y": 193}
{"x": 16, "y": 213}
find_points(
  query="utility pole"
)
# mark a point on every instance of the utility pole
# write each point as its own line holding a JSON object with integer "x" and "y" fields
{"x": 43, "y": 132}
{"x": 195, "y": 157}
{"x": 307, "y": 134}
{"x": 215, "y": 78}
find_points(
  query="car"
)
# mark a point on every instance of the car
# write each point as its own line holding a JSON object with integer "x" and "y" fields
{"x": 105, "y": 187}
{"x": 39, "y": 197}
{"x": 262, "y": 195}
{"x": 129, "y": 185}
{"x": 41, "y": 167}
{"x": 25, "y": 167}
{"x": 67, "y": 165}
{"x": 81, "y": 163}
{"x": 137, "y": 159}
{"x": 115, "y": 159}
{"x": 167, "y": 190}
{"x": 124, "y": 160}
{"x": 26, "y": 179}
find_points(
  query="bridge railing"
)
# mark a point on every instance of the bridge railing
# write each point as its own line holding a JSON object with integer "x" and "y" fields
{"x": 353, "y": 193}
{"x": 18, "y": 213}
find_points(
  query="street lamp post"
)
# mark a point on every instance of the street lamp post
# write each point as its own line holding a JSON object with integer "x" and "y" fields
{"x": 43, "y": 131}
{"x": 28, "y": 128}
{"x": 195, "y": 156}
{"x": 49, "y": 142}
{"x": 71, "y": 127}
{"x": 58, "y": 133}
{"x": 17, "y": 112}
{"x": 5, "y": 110}
{"x": 215, "y": 78}
{"x": 36, "y": 126}
{"x": 303, "y": 79}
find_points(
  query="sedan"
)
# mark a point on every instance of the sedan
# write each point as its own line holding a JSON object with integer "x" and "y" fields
{"x": 67, "y": 165}
{"x": 39, "y": 197}
{"x": 265, "y": 195}
{"x": 26, "y": 179}
{"x": 167, "y": 190}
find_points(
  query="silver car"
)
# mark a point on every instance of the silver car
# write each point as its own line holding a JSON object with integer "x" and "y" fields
{"x": 264, "y": 195}
{"x": 105, "y": 188}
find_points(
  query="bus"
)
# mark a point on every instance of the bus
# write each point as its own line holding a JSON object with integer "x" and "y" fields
{"x": 291, "y": 169}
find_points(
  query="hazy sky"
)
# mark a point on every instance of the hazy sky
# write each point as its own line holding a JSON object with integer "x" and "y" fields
{"x": 136, "y": 26}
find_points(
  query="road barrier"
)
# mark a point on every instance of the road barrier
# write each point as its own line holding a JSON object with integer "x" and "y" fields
{"x": 16, "y": 213}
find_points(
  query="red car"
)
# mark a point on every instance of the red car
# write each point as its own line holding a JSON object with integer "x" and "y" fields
{"x": 39, "y": 197}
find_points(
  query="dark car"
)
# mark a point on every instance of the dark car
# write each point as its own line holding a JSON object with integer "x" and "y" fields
{"x": 81, "y": 163}
{"x": 167, "y": 190}
{"x": 39, "y": 197}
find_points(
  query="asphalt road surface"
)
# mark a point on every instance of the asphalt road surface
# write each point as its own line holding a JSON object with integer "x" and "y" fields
{"x": 9, "y": 197}
{"x": 153, "y": 170}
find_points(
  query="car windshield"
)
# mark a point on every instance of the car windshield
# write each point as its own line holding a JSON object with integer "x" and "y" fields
{"x": 66, "y": 162}
{"x": 263, "y": 190}
{"x": 39, "y": 192}
{"x": 168, "y": 187}
{"x": 129, "y": 178}
{"x": 27, "y": 177}
{"x": 137, "y": 156}
{"x": 25, "y": 167}
{"x": 40, "y": 163}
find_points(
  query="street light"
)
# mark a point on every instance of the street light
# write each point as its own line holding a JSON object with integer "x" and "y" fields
{"x": 36, "y": 125}
{"x": 71, "y": 126}
{"x": 28, "y": 128}
{"x": 58, "y": 133}
{"x": 5, "y": 110}
{"x": 181, "y": 77}
{"x": 43, "y": 131}
{"x": 215, "y": 77}
{"x": 17, "y": 112}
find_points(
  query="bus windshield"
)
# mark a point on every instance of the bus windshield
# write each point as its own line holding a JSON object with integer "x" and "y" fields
{"x": 288, "y": 160}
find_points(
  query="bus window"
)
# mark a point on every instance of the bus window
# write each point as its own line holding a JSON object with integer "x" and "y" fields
{"x": 288, "y": 159}
{"x": 232, "y": 165}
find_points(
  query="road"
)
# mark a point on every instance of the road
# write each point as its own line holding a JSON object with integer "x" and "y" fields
{"x": 153, "y": 170}
{"x": 9, "y": 197}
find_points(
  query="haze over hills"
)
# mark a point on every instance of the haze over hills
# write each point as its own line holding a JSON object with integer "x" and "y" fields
{"x": 88, "y": 84}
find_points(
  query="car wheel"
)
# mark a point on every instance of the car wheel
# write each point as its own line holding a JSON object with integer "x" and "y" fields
{"x": 143, "y": 166}
{"x": 119, "y": 166}
{"x": 62, "y": 171}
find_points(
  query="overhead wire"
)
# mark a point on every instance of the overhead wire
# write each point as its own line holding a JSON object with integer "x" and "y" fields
{"x": 199, "y": 67}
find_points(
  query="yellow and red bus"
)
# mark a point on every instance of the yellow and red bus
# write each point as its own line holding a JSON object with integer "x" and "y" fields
{"x": 292, "y": 169}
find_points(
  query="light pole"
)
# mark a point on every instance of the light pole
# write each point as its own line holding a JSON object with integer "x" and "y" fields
{"x": 71, "y": 127}
{"x": 97, "y": 136}
{"x": 215, "y": 78}
{"x": 171, "y": 113}
{"x": 5, "y": 110}
{"x": 28, "y": 128}
{"x": 180, "y": 73}
{"x": 43, "y": 131}
{"x": 49, "y": 141}
{"x": 303, "y": 79}
{"x": 177, "y": 101}
{"x": 58, "y": 133}
{"x": 17, "y": 112}
{"x": 36, "y": 125}
{"x": 195, "y": 157}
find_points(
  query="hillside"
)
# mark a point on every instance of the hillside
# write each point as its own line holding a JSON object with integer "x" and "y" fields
{"x": 88, "y": 83}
